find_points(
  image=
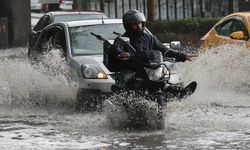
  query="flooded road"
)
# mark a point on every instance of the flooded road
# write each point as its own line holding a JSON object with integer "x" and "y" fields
{"x": 37, "y": 111}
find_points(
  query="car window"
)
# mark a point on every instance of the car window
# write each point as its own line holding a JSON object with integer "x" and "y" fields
{"x": 230, "y": 26}
{"x": 84, "y": 43}
{"x": 52, "y": 38}
{"x": 43, "y": 41}
{"x": 224, "y": 28}
{"x": 75, "y": 17}
{"x": 58, "y": 41}
{"x": 43, "y": 22}
{"x": 238, "y": 25}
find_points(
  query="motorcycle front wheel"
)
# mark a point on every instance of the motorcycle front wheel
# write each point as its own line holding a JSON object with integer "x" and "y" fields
{"x": 161, "y": 111}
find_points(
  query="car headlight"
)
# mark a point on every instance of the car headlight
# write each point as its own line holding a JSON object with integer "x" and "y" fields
{"x": 158, "y": 73}
{"x": 93, "y": 72}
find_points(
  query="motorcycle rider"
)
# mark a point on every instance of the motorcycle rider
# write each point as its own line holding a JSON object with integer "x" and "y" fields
{"x": 128, "y": 62}
{"x": 134, "y": 24}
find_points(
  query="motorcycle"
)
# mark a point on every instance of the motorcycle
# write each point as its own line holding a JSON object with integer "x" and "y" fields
{"x": 142, "y": 94}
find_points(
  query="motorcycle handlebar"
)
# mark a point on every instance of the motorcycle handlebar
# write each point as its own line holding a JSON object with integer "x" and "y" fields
{"x": 116, "y": 33}
{"x": 170, "y": 59}
{"x": 99, "y": 37}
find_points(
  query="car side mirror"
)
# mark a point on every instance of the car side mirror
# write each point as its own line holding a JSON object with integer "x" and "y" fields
{"x": 237, "y": 35}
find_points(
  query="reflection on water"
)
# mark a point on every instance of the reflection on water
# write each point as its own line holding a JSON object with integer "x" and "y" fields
{"x": 37, "y": 112}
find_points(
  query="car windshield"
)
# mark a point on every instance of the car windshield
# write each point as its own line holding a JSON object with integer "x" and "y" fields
{"x": 84, "y": 43}
{"x": 75, "y": 17}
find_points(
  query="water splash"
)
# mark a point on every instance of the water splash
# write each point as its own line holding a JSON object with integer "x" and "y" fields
{"x": 221, "y": 101}
{"x": 131, "y": 110}
{"x": 43, "y": 85}
{"x": 220, "y": 70}
{"x": 225, "y": 67}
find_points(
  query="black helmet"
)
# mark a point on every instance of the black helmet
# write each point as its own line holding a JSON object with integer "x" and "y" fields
{"x": 133, "y": 16}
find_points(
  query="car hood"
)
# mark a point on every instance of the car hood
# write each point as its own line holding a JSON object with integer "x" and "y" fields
{"x": 91, "y": 59}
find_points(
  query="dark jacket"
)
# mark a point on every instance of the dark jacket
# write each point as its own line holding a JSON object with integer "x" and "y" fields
{"x": 141, "y": 43}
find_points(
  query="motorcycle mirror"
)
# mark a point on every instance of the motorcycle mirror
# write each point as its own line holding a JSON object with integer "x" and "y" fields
{"x": 167, "y": 45}
{"x": 124, "y": 40}
{"x": 175, "y": 44}
{"x": 111, "y": 41}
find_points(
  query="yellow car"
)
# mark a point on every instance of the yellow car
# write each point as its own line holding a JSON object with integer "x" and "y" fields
{"x": 232, "y": 29}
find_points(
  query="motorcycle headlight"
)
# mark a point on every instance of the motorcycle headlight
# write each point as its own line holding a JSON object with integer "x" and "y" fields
{"x": 93, "y": 72}
{"x": 173, "y": 68}
{"x": 157, "y": 74}
{"x": 166, "y": 73}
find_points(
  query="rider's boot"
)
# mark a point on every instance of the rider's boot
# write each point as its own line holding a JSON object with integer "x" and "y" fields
{"x": 183, "y": 92}
{"x": 188, "y": 90}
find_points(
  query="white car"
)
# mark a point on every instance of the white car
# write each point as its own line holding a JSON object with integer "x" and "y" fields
{"x": 83, "y": 52}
